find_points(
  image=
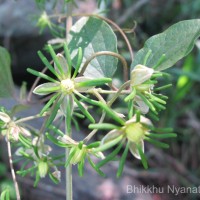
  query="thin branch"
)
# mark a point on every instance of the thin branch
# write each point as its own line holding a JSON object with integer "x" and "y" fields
{"x": 29, "y": 118}
{"x": 118, "y": 93}
{"x": 34, "y": 85}
{"x": 12, "y": 170}
{"x": 92, "y": 133}
{"x": 108, "y": 53}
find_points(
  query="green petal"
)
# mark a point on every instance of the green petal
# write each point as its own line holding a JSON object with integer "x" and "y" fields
{"x": 140, "y": 74}
{"x": 141, "y": 105}
{"x": 111, "y": 136}
{"x": 4, "y": 117}
{"x": 55, "y": 59}
{"x": 82, "y": 88}
{"x": 67, "y": 99}
{"x": 134, "y": 150}
{"x": 63, "y": 63}
{"x": 25, "y": 132}
{"x": 46, "y": 88}
{"x": 67, "y": 140}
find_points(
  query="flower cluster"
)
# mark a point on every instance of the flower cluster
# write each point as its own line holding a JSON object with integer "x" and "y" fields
{"x": 143, "y": 80}
{"x": 67, "y": 85}
{"x": 78, "y": 152}
{"x": 38, "y": 160}
{"x": 134, "y": 132}
{"x": 11, "y": 129}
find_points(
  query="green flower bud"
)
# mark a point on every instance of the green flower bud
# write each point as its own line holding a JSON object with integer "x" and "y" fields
{"x": 43, "y": 168}
{"x": 44, "y": 21}
{"x": 78, "y": 155}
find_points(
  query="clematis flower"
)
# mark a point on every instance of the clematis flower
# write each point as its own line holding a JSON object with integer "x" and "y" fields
{"x": 78, "y": 152}
{"x": 44, "y": 22}
{"x": 67, "y": 84}
{"x": 37, "y": 153}
{"x": 11, "y": 129}
{"x": 139, "y": 75}
{"x": 134, "y": 132}
{"x": 143, "y": 90}
{"x": 42, "y": 149}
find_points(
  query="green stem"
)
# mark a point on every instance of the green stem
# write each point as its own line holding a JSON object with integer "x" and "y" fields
{"x": 101, "y": 91}
{"x": 91, "y": 134}
{"x": 28, "y": 118}
{"x": 69, "y": 189}
{"x": 118, "y": 93}
{"x": 12, "y": 170}
{"x": 107, "y": 53}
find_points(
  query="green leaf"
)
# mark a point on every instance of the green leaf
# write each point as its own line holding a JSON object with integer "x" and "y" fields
{"x": 175, "y": 43}
{"x": 27, "y": 171}
{"x": 157, "y": 143}
{"x": 84, "y": 111}
{"x": 5, "y": 195}
{"x": 56, "y": 141}
{"x": 41, "y": 75}
{"x": 162, "y": 135}
{"x": 95, "y": 167}
{"x": 54, "y": 112}
{"x": 111, "y": 156}
{"x": 143, "y": 157}
{"x": 94, "y": 35}
{"x": 25, "y": 141}
{"x": 103, "y": 126}
{"x": 108, "y": 145}
{"x": 122, "y": 161}
{"x": 48, "y": 104}
{"x": 37, "y": 179}
{"x": 93, "y": 145}
{"x": 53, "y": 178}
{"x": 94, "y": 82}
{"x": 81, "y": 168}
{"x": 79, "y": 60}
{"x": 6, "y": 84}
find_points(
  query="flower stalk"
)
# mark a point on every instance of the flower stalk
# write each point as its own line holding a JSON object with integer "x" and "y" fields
{"x": 12, "y": 170}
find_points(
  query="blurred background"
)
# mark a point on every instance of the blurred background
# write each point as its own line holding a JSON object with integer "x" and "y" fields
{"x": 179, "y": 165}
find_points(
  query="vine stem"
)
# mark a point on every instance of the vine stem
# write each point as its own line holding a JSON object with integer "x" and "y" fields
{"x": 69, "y": 188}
{"x": 68, "y": 130}
{"x": 108, "y": 53}
{"x": 69, "y": 179}
{"x": 29, "y": 118}
{"x": 92, "y": 133}
{"x": 116, "y": 94}
{"x": 101, "y": 91}
{"x": 12, "y": 170}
